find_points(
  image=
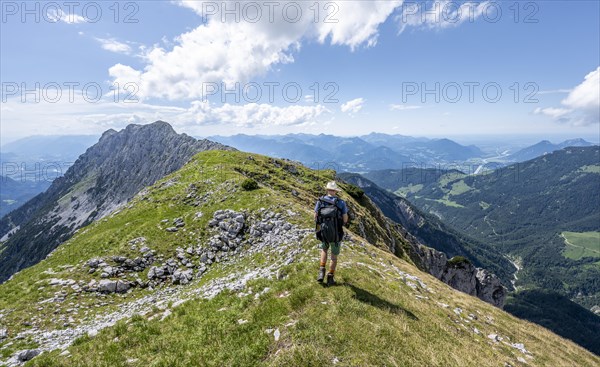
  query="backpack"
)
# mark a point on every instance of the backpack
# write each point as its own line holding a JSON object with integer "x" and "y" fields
{"x": 329, "y": 218}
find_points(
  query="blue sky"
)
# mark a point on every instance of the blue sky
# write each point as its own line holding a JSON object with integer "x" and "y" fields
{"x": 368, "y": 58}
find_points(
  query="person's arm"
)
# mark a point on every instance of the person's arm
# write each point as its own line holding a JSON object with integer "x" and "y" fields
{"x": 345, "y": 213}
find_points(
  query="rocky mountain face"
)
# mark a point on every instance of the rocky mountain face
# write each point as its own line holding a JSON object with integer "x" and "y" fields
{"x": 102, "y": 179}
{"x": 461, "y": 274}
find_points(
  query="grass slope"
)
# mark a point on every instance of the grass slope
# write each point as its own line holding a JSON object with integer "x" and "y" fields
{"x": 383, "y": 312}
{"x": 579, "y": 245}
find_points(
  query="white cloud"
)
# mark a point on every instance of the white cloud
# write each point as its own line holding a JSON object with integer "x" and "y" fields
{"x": 587, "y": 94}
{"x": 265, "y": 35}
{"x": 253, "y": 114}
{"x": 552, "y": 112}
{"x": 83, "y": 117}
{"x": 354, "y": 23}
{"x": 403, "y": 107}
{"x": 353, "y": 106}
{"x": 582, "y": 104}
{"x": 113, "y": 45}
{"x": 223, "y": 50}
{"x": 59, "y": 15}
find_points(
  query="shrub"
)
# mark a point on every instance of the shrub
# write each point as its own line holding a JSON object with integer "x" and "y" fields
{"x": 458, "y": 261}
{"x": 249, "y": 184}
{"x": 355, "y": 191}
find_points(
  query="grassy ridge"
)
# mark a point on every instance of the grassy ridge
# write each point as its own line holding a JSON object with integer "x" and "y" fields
{"x": 383, "y": 312}
{"x": 371, "y": 317}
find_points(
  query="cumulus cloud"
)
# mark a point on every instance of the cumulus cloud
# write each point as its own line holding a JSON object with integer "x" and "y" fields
{"x": 253, "y": 114}
{"x": 81, "y": 116}
{"x": 581, "y": 107}
{"x": 587, "y": 94}
{"x": 113, "y": 45}
{"x": 251, "y": 38}
{"x": 229, "y": 50}
{"x": 353, "y": 106}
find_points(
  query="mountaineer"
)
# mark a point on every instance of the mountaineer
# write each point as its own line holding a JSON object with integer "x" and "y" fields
{"x": 331, "y": 214}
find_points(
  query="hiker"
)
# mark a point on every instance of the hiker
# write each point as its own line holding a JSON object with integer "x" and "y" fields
{"x": 331, "y": 213}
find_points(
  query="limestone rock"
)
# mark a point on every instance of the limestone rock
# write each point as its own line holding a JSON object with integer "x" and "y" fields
{"x": 27, "y": 355}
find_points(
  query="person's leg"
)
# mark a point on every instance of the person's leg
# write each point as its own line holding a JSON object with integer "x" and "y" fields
{"x": 333, "y": 263}
{"x": 322, "y": 264}
{"x": 323, "y": 257}
{"x": 335, "y": 251}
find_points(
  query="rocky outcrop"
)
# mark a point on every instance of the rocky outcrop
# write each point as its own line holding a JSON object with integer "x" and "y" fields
{"x": 27, "y": 355}
{"x": 233, "y": 234}
{"x": 102, "y": 179}
{"x": 461, "y": 274}
{"x": 113, "y": 286}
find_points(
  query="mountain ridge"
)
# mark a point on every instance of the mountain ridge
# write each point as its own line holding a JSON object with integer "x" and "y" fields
{"x": 201, "y": 269}
{"x": 107, "y": 175}
{"x": 545, "y": 147}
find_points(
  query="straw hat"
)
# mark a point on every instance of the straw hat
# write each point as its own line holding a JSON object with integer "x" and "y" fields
{"x": 331, "y": 185}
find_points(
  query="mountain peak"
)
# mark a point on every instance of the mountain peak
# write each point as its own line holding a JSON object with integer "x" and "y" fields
{"x": 108, "y": 133}
{"x": 102, "y": 179}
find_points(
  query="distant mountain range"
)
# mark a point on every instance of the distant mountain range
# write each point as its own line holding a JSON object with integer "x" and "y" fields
{"x": 524, "y": 210}
{"x": 102, "y": 179}
{"x": 44, "y": 158}
{"x": 545, "y": 147}
{"x": 48, "y": 147}
{"x": 363, "y": 153}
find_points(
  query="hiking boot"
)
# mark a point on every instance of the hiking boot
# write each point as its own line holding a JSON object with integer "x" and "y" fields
{"x": 330, "y": 280}
{"x": 321, "y": 275}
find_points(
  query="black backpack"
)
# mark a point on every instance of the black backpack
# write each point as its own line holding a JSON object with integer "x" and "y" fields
{"x": 329, "y": 218}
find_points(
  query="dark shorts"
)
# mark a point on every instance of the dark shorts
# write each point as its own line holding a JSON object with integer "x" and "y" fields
{"x": 335, "y": 247}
